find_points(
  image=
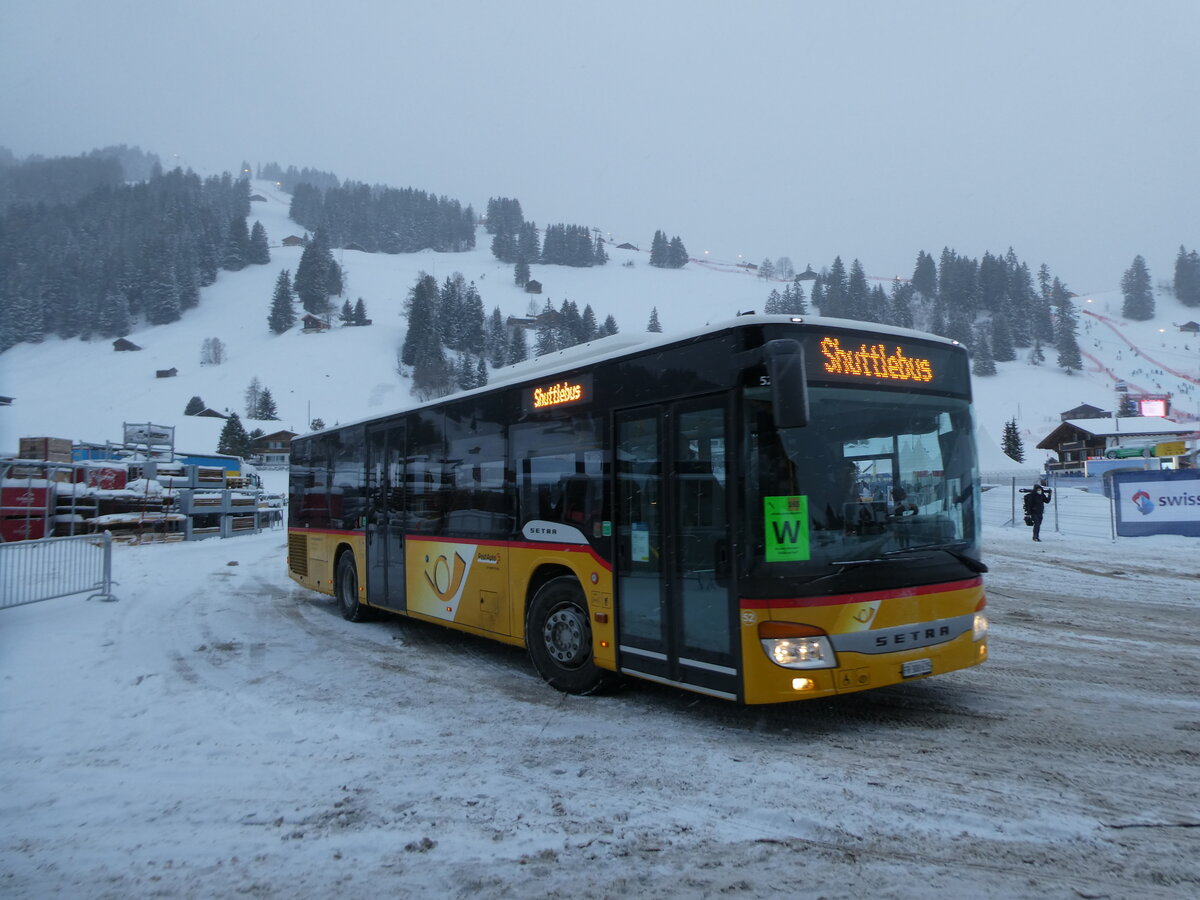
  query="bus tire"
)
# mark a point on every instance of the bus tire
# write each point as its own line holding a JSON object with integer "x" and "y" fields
{"x": 345, "y": 588}
{"x": 559, "y": 637}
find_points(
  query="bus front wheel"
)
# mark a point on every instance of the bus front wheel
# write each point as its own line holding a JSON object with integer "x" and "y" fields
{"x": 345, "y": 583}
{"x": 559, "y": 638}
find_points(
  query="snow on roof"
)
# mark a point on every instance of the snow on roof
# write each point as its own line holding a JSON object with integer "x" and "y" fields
{"x": 1130, "y": 425}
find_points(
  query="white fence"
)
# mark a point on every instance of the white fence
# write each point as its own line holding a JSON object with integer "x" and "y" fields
{"x": 56, "y": 567}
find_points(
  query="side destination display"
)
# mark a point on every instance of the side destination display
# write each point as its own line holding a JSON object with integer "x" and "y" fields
{"x": 573, "y": 391}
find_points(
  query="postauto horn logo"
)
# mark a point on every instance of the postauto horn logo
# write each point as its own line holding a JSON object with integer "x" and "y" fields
{"x": 1143, "y": 502}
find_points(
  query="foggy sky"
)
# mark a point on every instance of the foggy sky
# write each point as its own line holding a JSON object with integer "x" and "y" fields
{"x": 1067, "y": 129}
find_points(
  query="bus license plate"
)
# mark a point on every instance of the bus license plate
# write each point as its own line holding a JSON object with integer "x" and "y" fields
{"x": 916, "y": 667}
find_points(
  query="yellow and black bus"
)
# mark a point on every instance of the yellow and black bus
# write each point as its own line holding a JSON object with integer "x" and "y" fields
{"x": 773, "y": 508}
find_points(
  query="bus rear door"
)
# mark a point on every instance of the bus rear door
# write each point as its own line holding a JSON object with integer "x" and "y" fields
{"x": 385, "y": 517}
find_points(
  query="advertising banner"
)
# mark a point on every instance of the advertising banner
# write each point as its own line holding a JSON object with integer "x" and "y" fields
{"x": 1166, "y": 502}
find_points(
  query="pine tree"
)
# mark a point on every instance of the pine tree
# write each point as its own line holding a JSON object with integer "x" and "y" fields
{"x": 983, "y": 363}
{"x": 1002, "y": 340}
{"x": 195, "y": 405}
{"x": 857, "y": 303}
{"x": 1187, "y": 277}
{"x": 658, "y": 250}
{"x": 266, "y": 406}
{"x": 1126, "y": 406}
{"x": 237, "y": 245}
{"x": 496, "y": 341}
{"x": 234, "y": 440}
{"x": 570, "y": 324}
{"x": 160, "y": 293}
{"x": 465, "y": 372}
{"x": 924, "y": 279}
{"x": 360, "y": 312}
{"x": 318, "y": 276}
{"x": 260, "y": 251}
{"x": 283, "y": 314}
{"x": 547, "y": 340}
{"x": 610, "y": 325}
{"x": 521, "y": 272}
{"x": 471, "y": 333}
{"x": 588, "y": 324}
{"x": 677, "y": 255}
{"x": 481, "y": 373}
{"x": 836, "y": 291}
{"x": 450, "y": 311}
{"x": 113, "y": 317}
{"x": 1065, "y": 327}
{"x": 421, "y": 308}
{"x": 1011, "y": 442}
{"x": 1139, "y": 297}
{"x": 654, "y": 325}
{"x": 346, "y": 316}
{"x": 1021, "y": 294}
{"x": 901, "y": 305}
{"x": 529, "y": 246}
{"x": 518, "y": 346}
{"x": 797, "y": 305}
{"x": 766, "y": 269}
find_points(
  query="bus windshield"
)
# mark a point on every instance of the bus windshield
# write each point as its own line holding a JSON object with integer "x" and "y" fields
{"x": 879, "y": 483}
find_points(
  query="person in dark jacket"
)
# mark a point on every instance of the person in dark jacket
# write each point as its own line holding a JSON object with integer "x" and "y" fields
{"x": 1036, "y": 499}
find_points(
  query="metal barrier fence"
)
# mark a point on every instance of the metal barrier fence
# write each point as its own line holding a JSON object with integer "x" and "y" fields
{"x": 56, "y": 567}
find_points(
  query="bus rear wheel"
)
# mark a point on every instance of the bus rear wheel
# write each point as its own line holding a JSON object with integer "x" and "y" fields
{"x": 559, "y": 637}
{"x": 345, "y": 588}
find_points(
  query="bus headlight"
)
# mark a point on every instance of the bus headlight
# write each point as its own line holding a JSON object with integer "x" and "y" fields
{"x": 796, "y": 646}
{"x": 980, "y": 629}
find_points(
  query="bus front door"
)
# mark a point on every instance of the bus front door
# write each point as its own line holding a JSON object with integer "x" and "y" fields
{"x": 385, "y": 517}
{"x": 674, "y": 595}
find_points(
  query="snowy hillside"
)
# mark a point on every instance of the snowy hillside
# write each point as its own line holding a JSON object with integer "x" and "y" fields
{"x": 85, "y": 391}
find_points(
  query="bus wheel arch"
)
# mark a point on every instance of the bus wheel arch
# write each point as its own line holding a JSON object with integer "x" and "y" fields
{"x": 558, "y": 635}
{"x": 345, "y": 586}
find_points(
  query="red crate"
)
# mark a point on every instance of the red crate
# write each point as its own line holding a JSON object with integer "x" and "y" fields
{"x": 107, "y": 478}
{"x": 22, "y": 529}
{"x": 15, "y": 499}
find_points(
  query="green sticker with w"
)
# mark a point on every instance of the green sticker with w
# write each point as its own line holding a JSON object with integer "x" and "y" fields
{"x": 785, "y": 524}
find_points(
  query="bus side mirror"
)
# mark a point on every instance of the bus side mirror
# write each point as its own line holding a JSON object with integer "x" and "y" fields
{"x": 784, "y": 358}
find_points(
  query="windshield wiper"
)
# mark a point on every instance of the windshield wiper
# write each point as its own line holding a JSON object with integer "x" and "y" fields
{"x": 970, "y": 562}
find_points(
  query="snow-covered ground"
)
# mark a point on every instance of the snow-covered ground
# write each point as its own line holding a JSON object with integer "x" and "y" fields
{"x": 221, "y": 731}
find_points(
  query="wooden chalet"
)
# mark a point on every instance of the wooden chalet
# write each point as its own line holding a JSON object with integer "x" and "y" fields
{"x": 1190, "y": 327}
{"x": 1077, "y": 440}
{"x": 533, "y": 287}
{"x": 209, "y": 413}
{"x": 166, "y": 373}
{"x": 293, "y": 240}
{"x": 272, "y": 449}
{"x": 311, "y": 324}
{"x": 121, "y": 344}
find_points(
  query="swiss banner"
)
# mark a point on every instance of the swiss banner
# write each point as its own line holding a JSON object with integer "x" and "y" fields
{"x": 1166, "y": 502}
